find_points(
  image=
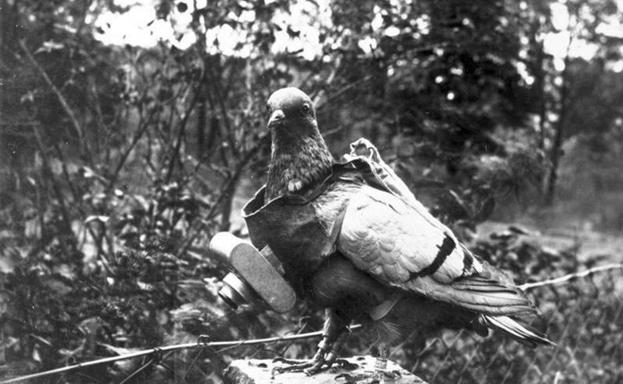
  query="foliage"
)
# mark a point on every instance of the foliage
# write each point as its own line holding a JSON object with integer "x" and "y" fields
{"x": 120, "y": 162}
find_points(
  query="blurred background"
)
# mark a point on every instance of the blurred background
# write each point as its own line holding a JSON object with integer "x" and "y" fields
{"x": 132, "y": 131}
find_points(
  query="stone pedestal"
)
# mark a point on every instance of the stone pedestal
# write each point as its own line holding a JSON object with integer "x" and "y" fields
{"x": 357, "y": 369}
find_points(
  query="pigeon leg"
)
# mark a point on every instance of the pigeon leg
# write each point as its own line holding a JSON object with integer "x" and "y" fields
{"x": 328, "y": 348}
{"x": 381, "y": 374}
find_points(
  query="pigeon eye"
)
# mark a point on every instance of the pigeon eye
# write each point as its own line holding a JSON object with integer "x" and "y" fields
{"x": 306, "y": 108}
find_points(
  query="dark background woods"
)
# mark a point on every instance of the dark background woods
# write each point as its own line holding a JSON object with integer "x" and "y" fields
{"x": 118, "y": 162}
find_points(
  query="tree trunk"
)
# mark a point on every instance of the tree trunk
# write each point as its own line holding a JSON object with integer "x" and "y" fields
{"x": 201, "y": 125}
{"x": 542, "y": 100}
{"x": 227, "y": 206}
{"x": 9, "y": 22}
{"x": 556, "y": 149}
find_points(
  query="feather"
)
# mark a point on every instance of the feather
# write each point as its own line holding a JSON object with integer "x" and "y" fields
{"x": 491, "y": 300}
{"x": 403, "y": 247}
{"x": 520, "y": 332}
{"x": 422, "y": 248}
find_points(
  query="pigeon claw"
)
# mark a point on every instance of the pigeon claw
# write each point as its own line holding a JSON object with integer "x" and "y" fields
{"x": 314, "y": 366}
{"x": 292, "y": 365}
{"x": 321, "y": 362}
{"x": 309, "y": 367}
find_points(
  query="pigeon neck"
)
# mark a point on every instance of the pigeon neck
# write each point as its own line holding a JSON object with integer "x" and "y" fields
{"x": 298, "y": 163}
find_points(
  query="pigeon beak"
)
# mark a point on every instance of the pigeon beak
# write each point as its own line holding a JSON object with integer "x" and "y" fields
{"x": 276, "y": 118}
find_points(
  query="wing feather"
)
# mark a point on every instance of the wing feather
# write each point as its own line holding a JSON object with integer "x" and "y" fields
{"x": 402, "y": 245}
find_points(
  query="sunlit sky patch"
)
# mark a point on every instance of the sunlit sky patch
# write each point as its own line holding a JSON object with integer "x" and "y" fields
{"x": 140, "y": 27}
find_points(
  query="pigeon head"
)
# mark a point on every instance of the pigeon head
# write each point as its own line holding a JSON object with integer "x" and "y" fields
{"x": 292, "y": 113}
{"x": 300, "y": 157}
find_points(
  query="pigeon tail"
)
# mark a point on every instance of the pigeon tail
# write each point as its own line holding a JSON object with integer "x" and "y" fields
{"x": 520, "y": 332}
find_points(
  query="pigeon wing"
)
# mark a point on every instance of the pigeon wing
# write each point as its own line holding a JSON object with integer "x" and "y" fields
{"x": 402, "y": 245}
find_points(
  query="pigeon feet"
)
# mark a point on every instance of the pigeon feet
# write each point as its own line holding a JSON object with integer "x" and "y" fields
{"x": 319, "y": 363}
{"x": 313, "y": 366}
{"x": 327, "y": 352}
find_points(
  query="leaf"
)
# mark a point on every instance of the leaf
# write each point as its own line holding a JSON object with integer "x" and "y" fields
{"x": 453, "y": 204}
{"x": 518, "y": 230}
{"x": 41, "y": 339}
{"x": 182, "y": 7}
{"x": 87, "y": 172}
{"x": 91, "y": 325}
{"x": 145, "y": 286}
{"x": 57, "y": 286}
{"x": 27, "y": 97}
{"x": 65, "y": 270}
{"x": 4, "y": 302}
{"x": 485, "y": 210}
{"x": 90, "y": 250}
{"x": 56, "y": 166}
{"x": 36, "y": 356}
{"x": 102, "y": 219}
{"x": 292, "y": 33}
{"x": 32, "y": 228}
{"x": 118, "y": 350}
{"x": 49, "y": 46}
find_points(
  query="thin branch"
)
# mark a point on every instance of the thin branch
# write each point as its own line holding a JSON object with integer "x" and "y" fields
{"x": 571, "y": 276}
{"x": 57, "y": 189}
{"x": 220, "y": 100}
{"x": 169, "y": 348}
{"x": 320, "y": 104}
{"x": 78, "y": 205}
{"x": 70, "y": 113}
{"x": 181, "y": 134}
{"x": 141, "y": 369}
{"x": 98, "y": 113}
{"x": 228, "y": 185}
{"x": 137, "y": 136}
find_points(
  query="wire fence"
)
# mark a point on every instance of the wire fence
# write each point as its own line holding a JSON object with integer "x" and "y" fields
{"x": 582, "y": 312}
{"x": 584, "y": 316}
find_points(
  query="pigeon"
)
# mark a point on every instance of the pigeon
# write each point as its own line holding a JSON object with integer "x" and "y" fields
{"x": 392, "y": 265}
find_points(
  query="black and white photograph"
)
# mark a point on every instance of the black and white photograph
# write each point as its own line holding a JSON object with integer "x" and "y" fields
{"x": 311, "y": 191}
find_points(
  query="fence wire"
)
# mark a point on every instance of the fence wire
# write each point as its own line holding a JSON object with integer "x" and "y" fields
{"x": 584, "y": 316}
